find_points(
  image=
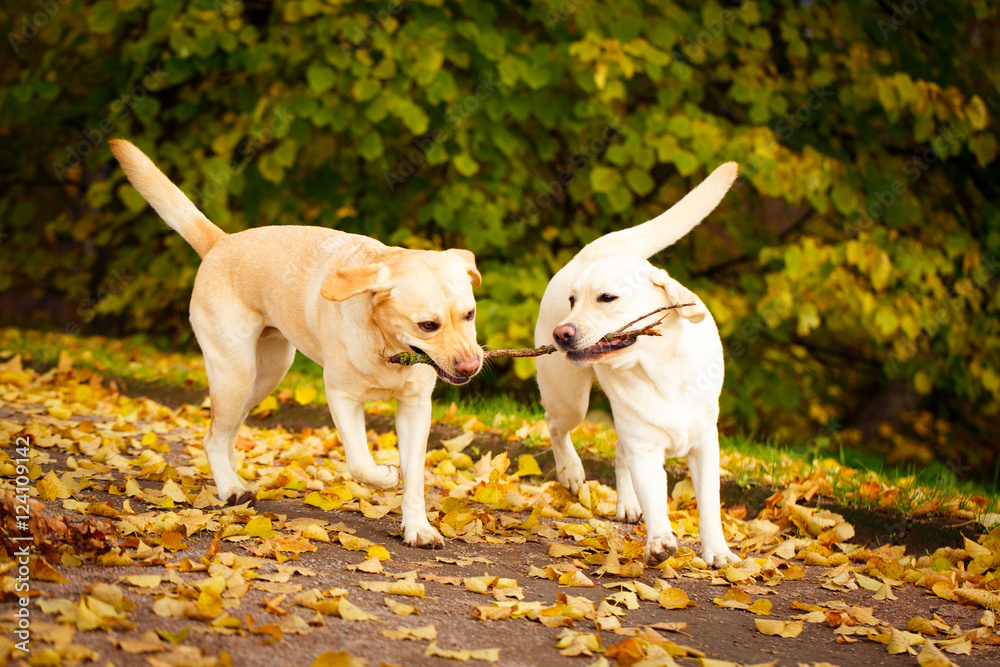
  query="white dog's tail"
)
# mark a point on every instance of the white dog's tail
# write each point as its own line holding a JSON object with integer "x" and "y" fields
{"x": 166, "y": 198}
{"x": 664, "y": 230}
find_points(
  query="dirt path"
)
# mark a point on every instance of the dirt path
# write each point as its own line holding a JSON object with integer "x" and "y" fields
{"x": 258, "y": 591}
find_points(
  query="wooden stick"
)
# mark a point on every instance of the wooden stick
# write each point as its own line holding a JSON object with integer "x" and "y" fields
{"x": 410, "y": 358}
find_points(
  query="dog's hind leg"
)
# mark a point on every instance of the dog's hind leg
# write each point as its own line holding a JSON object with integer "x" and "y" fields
{"x": 231, "y": 365}
{"x": 703, "y": 462}
{"x": 274, "y": 356}
{"x": 565, "y": 390}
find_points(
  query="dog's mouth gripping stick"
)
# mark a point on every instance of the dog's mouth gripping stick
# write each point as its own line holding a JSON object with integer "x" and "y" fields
{"x": 411, "y": 358}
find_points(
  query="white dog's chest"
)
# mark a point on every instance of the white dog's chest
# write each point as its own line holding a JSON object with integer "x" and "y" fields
{"x": 649, "y": 414}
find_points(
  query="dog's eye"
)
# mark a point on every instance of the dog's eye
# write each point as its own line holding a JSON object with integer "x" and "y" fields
{"x": 429, "y": 327}
{"x": 471, "y": 315}
{"x": 606, "y": 298}
{"x": 572, "y": 300}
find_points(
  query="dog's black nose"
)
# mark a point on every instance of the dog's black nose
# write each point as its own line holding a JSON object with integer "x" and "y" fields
{"x": 564, "y": 333}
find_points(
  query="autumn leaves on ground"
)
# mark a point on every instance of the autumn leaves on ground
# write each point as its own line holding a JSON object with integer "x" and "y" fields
{"x": 132, "y": 560}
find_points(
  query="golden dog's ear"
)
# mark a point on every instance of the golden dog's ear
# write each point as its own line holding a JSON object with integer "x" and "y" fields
{"x": 470, "y": 259}
{"x": 677, "y": 294}
{"x": 353, "y": 280}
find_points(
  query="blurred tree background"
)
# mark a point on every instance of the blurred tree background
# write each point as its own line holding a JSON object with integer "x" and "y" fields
{"x": 852, "y": 270}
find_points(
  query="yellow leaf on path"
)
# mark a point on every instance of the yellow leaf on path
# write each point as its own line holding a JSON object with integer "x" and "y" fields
{"x": 867, "y": 582}
{"x": 316, "y": 534}
{"x": 976, "y": 596}
{"x": 772, "y": 628}
{"x": 51, "y": 487}
{"x": 305, "y": 394}
{"x": 373, "y": 511}
{"x": 572, "y": 644}
{"x": 400, "y": 608}
{"x": 168, "y": 607}
{"x": 675, "y": 626}
{"x": 575, "y": 579}
{"x": 561, "y": 550}
{"x": 379, "y": 552}
{"x": 174, "y": 637}
{"x": 349, "y": 612}
{"x": 944, "y": 591}
{"x": 336, "y": 659}
{"x": 527, "y": 466}
{"x": 458, "y": 443}
{"x": 394, "y": 588}
{"x": 958, "y": 646}
{"x": 900, "y": 642}
{"x": 675, "y": 598}
{"x": 371, "y": 566}
{"x": 487, "y": 654}
{"x": 42, "y": 571}
{"x": 885, "y": 593}
{"x": 132, "y": 489}
{"x": 761, "y": 607}
{"x": 931, "y": 656}
{"x": 144, "y": 580}
{"x": 259, "y": 526}
{"x": 273, "y": 631}
{"x": 173, "y": 491}
{"x": 425, "y": 633}
{"x": 59, "y": 412}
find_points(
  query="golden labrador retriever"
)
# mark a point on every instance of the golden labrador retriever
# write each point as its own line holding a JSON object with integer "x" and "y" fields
{"x": 346, "y": 302}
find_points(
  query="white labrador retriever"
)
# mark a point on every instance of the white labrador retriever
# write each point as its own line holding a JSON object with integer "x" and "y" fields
{"x": 664, "y": 390}
{"x": 346, "y": 302}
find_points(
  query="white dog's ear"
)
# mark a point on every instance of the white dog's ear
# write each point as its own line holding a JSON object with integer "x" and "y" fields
{"x": 470, "y": 261}
{"x": 353, "y": 280}
{"x": 677, "y": 294}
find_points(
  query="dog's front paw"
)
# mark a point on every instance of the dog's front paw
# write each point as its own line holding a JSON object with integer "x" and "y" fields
{"x": 571, "y": 476}
{"x": 718, "y": 555}
{"x": 378, "y": 477}
{"x": 659, "y": 548}
{"x": 235, "y": 493}
{"x": 423, "y": 537}
{"x": 245, "y": 496}
{"x": 627, "y": 508}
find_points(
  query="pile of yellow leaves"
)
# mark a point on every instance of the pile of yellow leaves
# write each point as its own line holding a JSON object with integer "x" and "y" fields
{"x": 86, "y": 437}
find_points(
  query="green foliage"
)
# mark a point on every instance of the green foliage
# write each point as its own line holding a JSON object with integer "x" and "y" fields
{"x": 855, "y": 260}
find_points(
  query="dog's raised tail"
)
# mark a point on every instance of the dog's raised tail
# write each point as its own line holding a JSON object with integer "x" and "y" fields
{"x": 166, "y": 198}
{"x": 664, "y": 230}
